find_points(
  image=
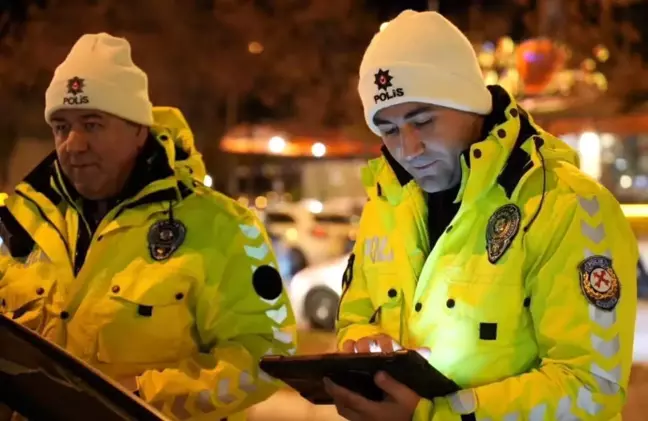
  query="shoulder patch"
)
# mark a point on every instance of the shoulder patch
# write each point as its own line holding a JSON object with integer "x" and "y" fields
{"x": 599, "y": 282}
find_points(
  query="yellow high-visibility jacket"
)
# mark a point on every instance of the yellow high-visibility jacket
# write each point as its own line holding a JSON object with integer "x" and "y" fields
{"x": 176, "y": 288}
{"x": 528, "y": 299}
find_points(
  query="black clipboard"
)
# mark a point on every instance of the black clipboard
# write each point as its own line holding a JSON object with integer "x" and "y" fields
{"x": 41, "y": 381}
{"x": 356, "y": 372}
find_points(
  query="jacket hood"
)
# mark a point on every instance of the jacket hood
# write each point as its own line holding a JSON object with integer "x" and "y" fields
{"x": 184, "y": 158}
{"x": 557, "y": 150}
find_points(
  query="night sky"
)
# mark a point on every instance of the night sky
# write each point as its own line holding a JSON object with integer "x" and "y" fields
{"x": 636, "y": 13}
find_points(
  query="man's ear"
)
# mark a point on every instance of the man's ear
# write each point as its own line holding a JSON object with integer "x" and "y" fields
{"x": 141, "y": 133}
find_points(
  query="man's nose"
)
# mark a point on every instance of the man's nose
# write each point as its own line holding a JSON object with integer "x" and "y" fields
{"x": 411, "y": 144}
{"x": 76, "y": 142}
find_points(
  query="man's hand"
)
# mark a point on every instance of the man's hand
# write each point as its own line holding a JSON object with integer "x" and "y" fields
{"x": 375, "y": 343}
{"x": 399, "y": 405}
{"x": 128, "y": 383}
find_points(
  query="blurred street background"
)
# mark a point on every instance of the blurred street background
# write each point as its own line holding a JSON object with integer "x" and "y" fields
{"x": 269, "y": 88}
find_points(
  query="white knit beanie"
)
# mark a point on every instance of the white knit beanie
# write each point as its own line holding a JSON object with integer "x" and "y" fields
{"x": 421, "y": 57}
{"x": 99, "y": 74}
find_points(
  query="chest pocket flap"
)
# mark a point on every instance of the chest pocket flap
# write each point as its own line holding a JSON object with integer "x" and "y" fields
{"x": 489, "y": 313}
{"x": 148, "y": 318}
{"x": 168, "y": 290}
{"x": 22, "y": 297}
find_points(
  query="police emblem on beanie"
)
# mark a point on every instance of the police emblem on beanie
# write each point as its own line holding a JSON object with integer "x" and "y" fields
{"x": 383, "y": 81}
{"x": 75, "y": 88}
{"x": 75, "y": 85}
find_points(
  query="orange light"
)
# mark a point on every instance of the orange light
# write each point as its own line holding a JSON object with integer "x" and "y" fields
{"x": 635, "y": 211}
{"x": 300, "y": 147}
{"x": 537, "y": 61}
{"x": 260, "y": 202}
{"x": 319, "y": 232}
{"x": 255, "y": 47}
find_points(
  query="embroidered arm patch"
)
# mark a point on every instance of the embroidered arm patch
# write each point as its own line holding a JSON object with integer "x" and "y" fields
{"x": 599, "y": 282}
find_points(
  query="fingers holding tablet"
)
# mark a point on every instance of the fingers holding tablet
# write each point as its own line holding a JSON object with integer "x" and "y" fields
{"x": 374, "y": 343}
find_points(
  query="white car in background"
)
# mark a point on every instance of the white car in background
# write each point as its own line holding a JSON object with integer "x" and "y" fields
{"x": 306, "y": 234}
{"x": 315, "y": 293}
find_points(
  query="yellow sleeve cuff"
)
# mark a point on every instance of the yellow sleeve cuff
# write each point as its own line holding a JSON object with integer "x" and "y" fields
{"x": 424, "y": 411}
{"x": 447, "y": 408}
{"x": 463, "y": 402}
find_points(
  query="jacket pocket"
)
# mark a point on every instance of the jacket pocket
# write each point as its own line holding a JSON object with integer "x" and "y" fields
{"x": 483, "y": 333}
{"x": 23, "y": 299}
{"x": 386, "y": 298}
{"x": 487, "y": 314}
{"x": 147, "y": 319}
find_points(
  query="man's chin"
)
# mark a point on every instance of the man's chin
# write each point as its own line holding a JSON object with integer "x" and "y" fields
{"x": 431, "y": 184}
{"x": 87, "y": 192}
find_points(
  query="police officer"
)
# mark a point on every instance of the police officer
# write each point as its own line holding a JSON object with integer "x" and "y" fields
{"x": 483, "y": 243}
{"x": 115, "y": 251}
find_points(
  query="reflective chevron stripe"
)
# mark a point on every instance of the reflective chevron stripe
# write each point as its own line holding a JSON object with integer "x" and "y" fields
{"x": 250, "y": 231}
{"x": 279, "y": 316}
{"x": 586, "y": 402}
{"x": 596, "y": 234}
{"x": 204, "y": 403}
{"x": 606, "y": 348}
{"x": 283, "y": 337}
{"x": 258, "y": 253}
{"x": 605, "y": 319}
{"x": 538, "y": 413}
{"x": 608, "y": 381}
{"x": 246, "y": 382}
{"x": 224, "y": 394}
{"x": 564, "y": 412}
{"x": 590, "y": 253}
{"x": 591, "y": 206}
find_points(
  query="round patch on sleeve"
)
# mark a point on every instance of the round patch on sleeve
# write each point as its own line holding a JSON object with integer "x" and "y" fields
{"x": 599, "y": 282}
{"x": 267, "y": 283}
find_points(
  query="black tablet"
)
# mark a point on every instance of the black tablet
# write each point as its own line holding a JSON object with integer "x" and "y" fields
{"x": 356, "y": 372}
